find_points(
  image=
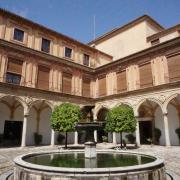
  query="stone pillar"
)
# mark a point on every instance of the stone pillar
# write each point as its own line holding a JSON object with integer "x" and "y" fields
{"x": 137, "y": 134}
{"x": 24, "y": 131}
{"x": 95, "y": 136}
{"x": 75, "y": 138}
{"x": 166, "y": 130}
{"x": 52, "y": 137}
{"x": 3, "y": 67}
{"x": 114, "y": 138}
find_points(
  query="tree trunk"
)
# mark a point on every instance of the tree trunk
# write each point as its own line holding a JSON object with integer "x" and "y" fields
{"x": 66, "y": 141}
{"x": 121, "y": 139}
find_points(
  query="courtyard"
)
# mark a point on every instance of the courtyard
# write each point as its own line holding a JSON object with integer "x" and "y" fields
{"x": 170, "y": 155}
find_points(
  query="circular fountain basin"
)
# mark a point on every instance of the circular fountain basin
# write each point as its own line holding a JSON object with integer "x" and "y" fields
{"x": 72, "y": 165}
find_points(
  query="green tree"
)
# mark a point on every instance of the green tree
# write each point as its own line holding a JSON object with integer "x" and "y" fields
{"x": 64, "y": 118}
{"x": 120, "y": 119}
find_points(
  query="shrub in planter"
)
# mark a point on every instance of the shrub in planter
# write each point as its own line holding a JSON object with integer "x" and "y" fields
{"x": 1, "y": 138}
{"x": 105, "y": 138}
{"x": 157, "y": 135}
{"x": 131, "y": 138}
{"x": 178, "y": 133}
{"x": 60, "y": 138}
{"x": 37, "y": 138}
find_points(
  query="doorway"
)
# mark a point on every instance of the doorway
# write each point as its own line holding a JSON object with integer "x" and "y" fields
{"x": 12, "y": 133}
{"x": 145, "y": 128}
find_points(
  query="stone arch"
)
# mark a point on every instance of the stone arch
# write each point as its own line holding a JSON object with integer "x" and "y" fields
{"x": 150, "y": 116}
{"x": 17, "y": 98}
{"x": 172, "y": 107}
{"x": 97, "y": 108}
{"x": 168, "y": 100}
{"x": 124, "y": 103}
{"x": 12, "y": 111}
{"x": 101, "y": 114}
{"x": 144, "y": 100}
{"x": 39, "y": 121}
{"x": 38, "y": 101}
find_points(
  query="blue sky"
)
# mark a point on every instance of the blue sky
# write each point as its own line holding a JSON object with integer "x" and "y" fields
{"x": 75, "y": 17}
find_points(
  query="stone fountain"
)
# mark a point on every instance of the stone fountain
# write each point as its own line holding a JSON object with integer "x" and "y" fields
{"x": 88, "y": 164}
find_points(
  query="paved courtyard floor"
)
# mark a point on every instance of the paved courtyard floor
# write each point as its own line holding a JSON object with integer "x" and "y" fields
{"x": 171, "y": 155}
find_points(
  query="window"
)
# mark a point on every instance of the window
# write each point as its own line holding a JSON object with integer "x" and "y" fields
{"x": 174, "y": 68}
{"x": 43, "y": 78}
{"x": 68, "y": 52}
{"x": 13, "y": 78}
{"x": 102, "y": 86}
{"x": 18, "y": 35}
{"x": 66, "y": 83}
{"x": 45, "y": 47}
{"x": 14, "y": 70}
{"x": 155, "y": 42}
{"x": 86, "y": 60}
{"x": 86, "y": 87}
{"x": 121, "y": 81}
{"x": 146, "y": 79}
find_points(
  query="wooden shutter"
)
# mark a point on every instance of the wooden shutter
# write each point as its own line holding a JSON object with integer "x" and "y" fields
{"x": 174, "y": 68}
{"x": 43, "y": 78}
{"x": 146, "y": 79}
{"x": 14, "y": 66}
{"x": 67, "y": 83}
{"x": 121, "y": 81}
{"x": 102, "y": 86}
{"x": 86, "y": 87}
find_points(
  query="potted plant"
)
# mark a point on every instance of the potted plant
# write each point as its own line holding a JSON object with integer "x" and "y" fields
{"x": 131, "y": 138}
{"x": 60, "y": 138}
{"x": 37, "y": 138}
{"x": 178, "y": 133}
{"x": 105, "y": 139}
{"x": 157, "y": 135}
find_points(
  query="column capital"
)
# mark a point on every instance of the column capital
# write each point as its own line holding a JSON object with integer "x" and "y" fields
{"x": 165, "y": 114}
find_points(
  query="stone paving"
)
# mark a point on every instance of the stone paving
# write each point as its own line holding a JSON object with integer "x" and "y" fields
{"x": 171, "y": 155}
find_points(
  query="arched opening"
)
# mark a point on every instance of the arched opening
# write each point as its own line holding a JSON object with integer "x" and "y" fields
{"x": 173, "y": 109}
{"x": 101, "y": 117}
{"x": 87, "y": 117}
{"x": 151, "y": 123}
{"x": 39, "y": 123}
{"x": 11, "y": 121}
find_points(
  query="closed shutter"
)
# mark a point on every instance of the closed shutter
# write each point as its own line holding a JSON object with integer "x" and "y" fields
{"x": 43, "y": 78}
{"x": 121, "y": 81}
{"x": 102, "y": 86}
{"x": 67, "y": 83}
{"x": 174, "y": 68}
{"x": 86, "y": 87}
{"x": 14, "y": 66}
{"x": 146, "y": 79}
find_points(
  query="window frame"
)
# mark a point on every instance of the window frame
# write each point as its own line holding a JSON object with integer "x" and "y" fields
{"x": 15, "y": 75}
{"x": 22, "y": 28}
{"x": 71, "y": 52}
{"x": 18, "y": 30}
{"x": 50, "y": 42}
{"x": 85, "y": 54}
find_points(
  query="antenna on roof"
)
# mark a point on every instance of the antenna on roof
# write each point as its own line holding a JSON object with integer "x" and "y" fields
{"x": 94, "y": 27}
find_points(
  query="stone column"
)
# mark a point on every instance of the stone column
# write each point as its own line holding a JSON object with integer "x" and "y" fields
{"x": 166, "y": 130}
{"x": 137, "y": 133}
{"x": 52, "y": 137}
{"x": 114, "y": 138}
{"x": 24, "y": 131}
{"x": 95, "y": 136}
{"x": 75, "y": 138}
